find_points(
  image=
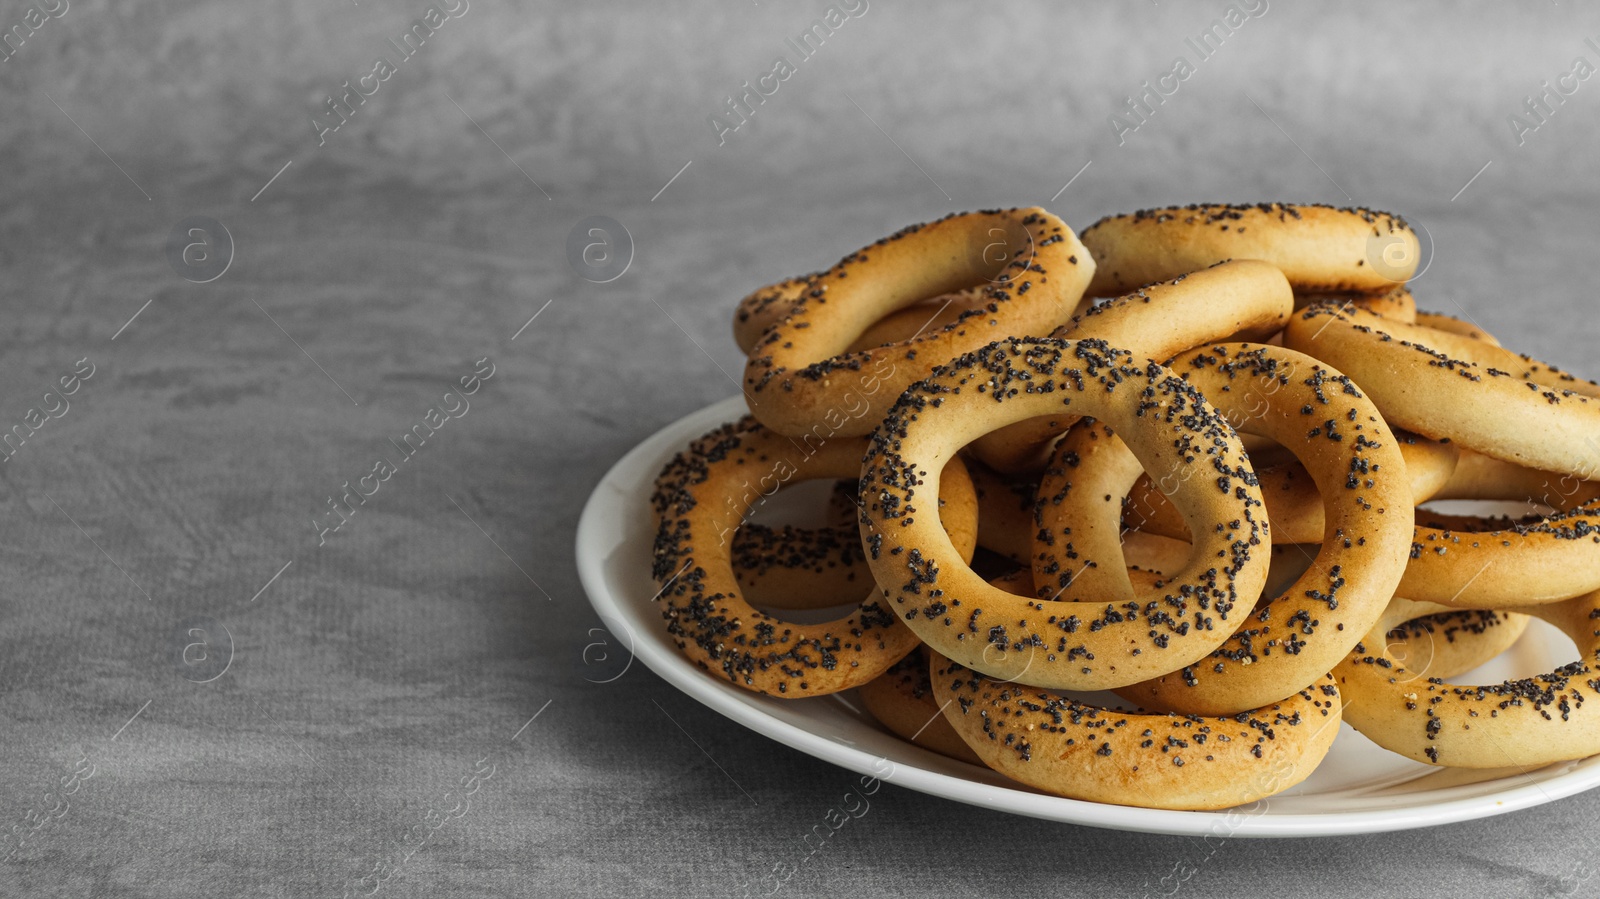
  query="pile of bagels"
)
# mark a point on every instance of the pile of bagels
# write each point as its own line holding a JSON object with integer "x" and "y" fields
{"x": 1135, "y": 515}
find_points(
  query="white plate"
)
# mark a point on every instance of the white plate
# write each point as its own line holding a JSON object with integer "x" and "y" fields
{"x": 1359, "y": 787}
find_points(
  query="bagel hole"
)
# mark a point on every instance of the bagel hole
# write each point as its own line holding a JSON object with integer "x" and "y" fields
{"x": 1495, "y": 511}
{"x": 1289, "y": 561}
{"x": 1542, "y": 648}
{"x": 808, "y": 504}
{"x": 1100, "y": 699}
{"x": 986, "y": 261}
{"x": 1264, "y": 452}
{"x": 988, "y": 564}
{"x": 804, "y": 504}
{"x": 926, "y": 316}
{"x": 811, "y": 616}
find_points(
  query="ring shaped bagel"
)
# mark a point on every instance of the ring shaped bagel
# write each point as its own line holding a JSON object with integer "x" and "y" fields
{"x": 1479, "y": 396}
{"x": 1525, "y": 722}
{"x": 1057, "y": 744}
{"x": 1076, "y": 642}
{"x": 902, "y": 700}
{"x": 1461, "y": 342}
{"x": 704, "y": 494}
{"x": 1294, "y": 505}
{"x": 1288, "y": 642}
{"x": 1036, "y": 272}
{"x": 1238, "y": 299}
{"x": 1462, "y": 560}
{"x": 1321, "y": 249}
{"x": 1470, "y": 562}
{"x": 1452, "y": 643}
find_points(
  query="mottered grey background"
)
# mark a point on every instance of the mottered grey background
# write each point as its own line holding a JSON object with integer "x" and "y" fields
{"x": 356, "y": 685}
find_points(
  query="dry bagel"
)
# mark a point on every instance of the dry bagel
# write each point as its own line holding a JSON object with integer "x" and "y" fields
{"x": 1524, "y": 722}
{"x": 1446, "y": 386}
{"x": 1321, "y": 249}
{"x": 702, "y": 496}
{"x": 796, "y": 379}
{"x": 1291, "y": 639}
{"x": 1070, "y": 748}
{"x": 1238, "y": 299}
{"x": 1072, "y": 643}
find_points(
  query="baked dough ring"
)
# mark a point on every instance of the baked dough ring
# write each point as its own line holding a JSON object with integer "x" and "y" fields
{"x": 1078, "y": 643}
{"x": 1321, "y": 249}
{"x": 1524, "y": 723}
{"x": 1478, "y": 562}
{"x": 1069, "y": 748}
{"x": 1452, "y": 643}
{"x": 1294, "y": 505}
{"x": 1289, "y": 641}
{"x": 795, "y": 376}
{"x": 703, "y": 496}
{"x": 1499, "y": 563}
{"x": 902, "y": 700}
{"x": 1444, "y": 385}
{"x": 1239, "y": 299}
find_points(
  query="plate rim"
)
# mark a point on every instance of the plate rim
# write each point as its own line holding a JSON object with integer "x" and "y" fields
{"x": 660, "y": 657}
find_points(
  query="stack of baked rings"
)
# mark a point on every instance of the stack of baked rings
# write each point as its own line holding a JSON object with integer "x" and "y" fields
{"x": 1135, "y": 515}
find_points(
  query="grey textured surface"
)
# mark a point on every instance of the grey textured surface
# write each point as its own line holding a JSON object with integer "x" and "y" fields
{"x": 381, "y": 669}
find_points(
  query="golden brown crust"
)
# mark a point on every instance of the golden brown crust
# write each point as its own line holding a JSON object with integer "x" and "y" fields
{"x": 1449, "y": 323}
{"x": 1447, "y": 644}
{"x": 1234, "y": 300}
{"x": 1445, "y": 386}
{"x": 762, "y": 308}
{"x": 1320, "y": 249}
{"x": 1469, "y": 561}
{"x": 1076, "y": 641}
{"x": 1035, "y": 270}
{"x": 765, "y": 308}
{"x": 1073, "y": 749}
{"x": 1289, "y": 641}
{"x": 702, "y": 497}
{"x": 1397, "y": 304}
{"x": 1294, "y": 505}
{"x": 1477, "y": 476}
{"x": 1525, "y": 722}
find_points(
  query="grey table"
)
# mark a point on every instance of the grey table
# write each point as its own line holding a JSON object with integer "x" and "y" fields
{"x": 242, "y": 700}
